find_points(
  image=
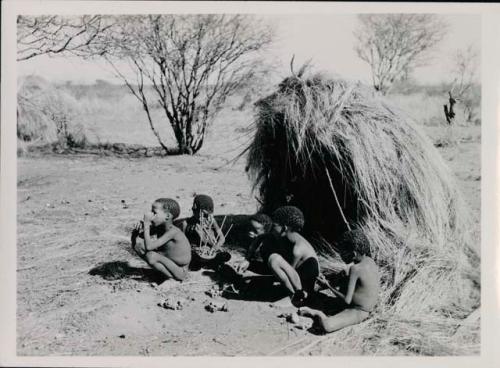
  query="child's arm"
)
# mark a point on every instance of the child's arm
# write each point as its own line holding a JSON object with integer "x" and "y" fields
{"x": 151, "y": 244}
{"x": 353, "y": 278}
{"x": 299, "y": 252}
{"x": 243, "y": 265}
{"x": 252, "y": 248}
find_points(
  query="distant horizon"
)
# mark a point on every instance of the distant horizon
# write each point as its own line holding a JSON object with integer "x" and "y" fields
{"x": 332, "y": 52}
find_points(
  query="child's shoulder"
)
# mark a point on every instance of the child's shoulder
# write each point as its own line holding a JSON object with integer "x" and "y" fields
{"x": 180, "y": 222}
{"x": 366, "y": 265}
{"x": 298, "y": 240}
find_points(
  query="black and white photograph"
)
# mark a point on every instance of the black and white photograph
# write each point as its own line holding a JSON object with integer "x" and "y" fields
{"x": 202, "y": 182}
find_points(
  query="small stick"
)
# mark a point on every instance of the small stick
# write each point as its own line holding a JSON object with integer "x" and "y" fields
{"x": 228, "y": 230}
{"x": 223, "y": 221}
{"x": 221, "y": 227}
{"x": 323, "y": 280}
{"x": 336, "y": 199}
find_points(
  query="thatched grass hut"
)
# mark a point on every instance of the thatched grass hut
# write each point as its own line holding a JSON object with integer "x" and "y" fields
{"x": 349, "y": 160}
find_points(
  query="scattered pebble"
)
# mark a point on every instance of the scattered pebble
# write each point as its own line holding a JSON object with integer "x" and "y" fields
{"x": 172, "y": 303}
{"x": 90, "y": 200}
{"x": 216, "y": 307}
{"x": 214, "y": 292}
{"x": 105, "y": 208}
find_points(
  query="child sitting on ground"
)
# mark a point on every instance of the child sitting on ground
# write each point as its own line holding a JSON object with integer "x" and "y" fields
{"x": 259, "y": 227}
{"x": 289, "y": 256}
{"x": 161, "y": 244}
{"x": 362, "y": 289}
{"x": 204, "y": 233}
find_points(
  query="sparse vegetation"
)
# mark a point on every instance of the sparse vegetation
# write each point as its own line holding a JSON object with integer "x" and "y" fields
{"x": 192, "y": 62}
{"x": 394, "y": 44}
{"x": 46, "y": 114}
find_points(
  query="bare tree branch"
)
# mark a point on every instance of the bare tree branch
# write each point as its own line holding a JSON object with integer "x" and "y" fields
{"x": 51, "y": 35}
{"x": 394, "y": 44}
{"x": 192, "y": 62}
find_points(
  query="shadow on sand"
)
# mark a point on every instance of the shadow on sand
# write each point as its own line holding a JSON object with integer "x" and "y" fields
{"x": 118, "y": 270}
{"x": 263, "y": 287}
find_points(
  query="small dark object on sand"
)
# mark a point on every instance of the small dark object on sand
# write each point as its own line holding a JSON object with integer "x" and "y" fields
{"x": 216, "y": 306}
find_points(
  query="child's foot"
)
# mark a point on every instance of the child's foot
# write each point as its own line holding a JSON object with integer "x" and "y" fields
{"x": 299, "y": 298}
{"x": 135, "y": 263}
{"x": 308, "y": 312}
{"x": 317, "y": 316}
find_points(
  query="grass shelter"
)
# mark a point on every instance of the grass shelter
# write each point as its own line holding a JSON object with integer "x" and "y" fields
{"x": 348, "y": 159}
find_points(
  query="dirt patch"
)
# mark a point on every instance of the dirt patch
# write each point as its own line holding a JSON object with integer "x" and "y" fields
{"x": 81, "y": 292}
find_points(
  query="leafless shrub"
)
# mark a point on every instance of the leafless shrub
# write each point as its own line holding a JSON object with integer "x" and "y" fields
{"x": 394, "y": 44}
{"x": 193, "y": 62}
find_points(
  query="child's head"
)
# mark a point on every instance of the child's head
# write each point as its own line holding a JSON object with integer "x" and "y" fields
{"x": 165, "y": 210}
{"x": 287, "y": 218}
{"x": 260, "y": 223}
{"x": 202, "y": 204}
{"x": 353, "y": 245}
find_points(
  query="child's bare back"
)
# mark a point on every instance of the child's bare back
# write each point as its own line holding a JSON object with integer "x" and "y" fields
{"x": 362, "y": 290}
{"x": 367, "y": 284}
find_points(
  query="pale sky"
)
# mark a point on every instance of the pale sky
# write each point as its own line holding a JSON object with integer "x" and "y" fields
{"x": 327, "y": 39}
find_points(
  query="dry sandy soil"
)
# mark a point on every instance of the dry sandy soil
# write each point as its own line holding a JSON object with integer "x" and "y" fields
{"x": 78, "y": 296}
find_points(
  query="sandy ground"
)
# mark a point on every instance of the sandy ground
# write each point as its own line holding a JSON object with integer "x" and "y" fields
{"x": 74, "y": 213}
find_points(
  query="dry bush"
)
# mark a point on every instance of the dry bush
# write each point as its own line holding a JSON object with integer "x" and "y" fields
{"x": 348, "y": 159}
{"x": 424, "y": 103}
{"x": 46, "y": 114}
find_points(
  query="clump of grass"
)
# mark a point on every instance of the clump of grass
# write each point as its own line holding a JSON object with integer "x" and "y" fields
{"x": 348, "y": 159}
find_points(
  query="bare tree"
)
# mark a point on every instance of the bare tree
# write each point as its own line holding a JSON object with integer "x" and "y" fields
{"x": 394, "y": 44}
{"x": 464, "y": 74}
{"x": 54, "y": 34}
{"x": 191, "y": 63}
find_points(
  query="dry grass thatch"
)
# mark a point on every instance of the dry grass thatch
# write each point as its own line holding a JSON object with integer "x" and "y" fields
{"x": 348, "y": 159}
{"x": 46, "y": 114}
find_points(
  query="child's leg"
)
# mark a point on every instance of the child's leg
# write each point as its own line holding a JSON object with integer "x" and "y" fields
{"x": 308, "y": 272}
{"x": 166, "y": 266}
{"x": 138, "y": 244}
{"x": 284, "y": 272}
{"x": 347, "y": 317}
